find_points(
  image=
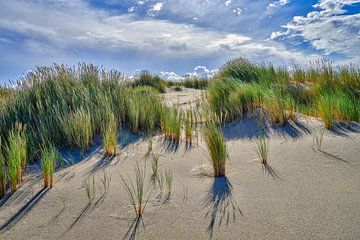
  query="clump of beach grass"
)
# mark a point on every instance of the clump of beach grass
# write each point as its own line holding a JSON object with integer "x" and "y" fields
{"x": 3, "y": 175}
{"x": 188, "y": 127}
{"x": 326, "y": 109}
{"x": 78, "y": 128}
{"x": 216, "y": 147}
{"x": 109, "y": 136}
{"x": 135, "y": 190}
{"x": 16, "y": 155}
{"x": 48, "y": 163}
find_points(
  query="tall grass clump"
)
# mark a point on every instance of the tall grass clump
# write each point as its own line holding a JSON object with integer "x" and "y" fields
{"x": 48, "y": 162}
{"x": 3, "y": 175}
{"x": 188, "y": 127}
{"x": 171, "y": 124}
{"x": 325, "y": 106}
{"x": 216, "y": 147}
{"x": 135, "y": 190}
{"x": 109, "y": 136}
{"x": 16, "y": 155}
{"x": 78, "y": 128}
{"x": 196, "y": 83}
{"x": 147, "y": 79}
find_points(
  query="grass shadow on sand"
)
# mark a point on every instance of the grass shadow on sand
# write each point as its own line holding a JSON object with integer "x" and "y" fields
{"x": 248, "y": 128}
{"x": 329, "y": 155}
{"x": 24, "y": 210}
{"x": 267, "y": 169}
{"x": 102, "y": 163}
{"x": 343, "y": 129}
{"x": 133, "y": 229}
{"x": 79, "y": 217}
{"x": 170, "y": 145}
{"x": 220, "y": 204}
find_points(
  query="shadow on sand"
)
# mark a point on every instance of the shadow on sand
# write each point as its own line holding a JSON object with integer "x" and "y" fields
{"x": 133, "y": 229}
{"x": 267, "y": 169}
{"x": 104, "y": 161}
{"x": 332, "y": 156}
{"x": 170, "y": 145}
{"x": 220, "y": 203}
{"x": 343, "y": 129}
{"x": 248, "y": 128}
{"x": 24, "y": 210}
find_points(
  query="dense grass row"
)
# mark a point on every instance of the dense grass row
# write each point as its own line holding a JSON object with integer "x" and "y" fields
{"x": 196, "y": 83}
{"x": 320, "y": 91}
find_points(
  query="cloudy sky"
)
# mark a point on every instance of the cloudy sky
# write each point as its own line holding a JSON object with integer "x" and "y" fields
{"x": 174, "y": 36}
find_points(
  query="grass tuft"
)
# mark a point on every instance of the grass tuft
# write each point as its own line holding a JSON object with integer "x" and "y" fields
{"x": 135, "y": 190}
{"x": 109, "y": 136}
{"x": 216, "y": 147}
{"x": 48, "y": 163}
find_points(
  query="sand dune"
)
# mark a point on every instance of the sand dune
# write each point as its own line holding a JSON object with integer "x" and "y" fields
{"x": 302, "y": 194}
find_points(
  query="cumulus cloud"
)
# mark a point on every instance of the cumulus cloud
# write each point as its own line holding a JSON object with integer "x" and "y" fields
{"x": 277, "y": 4}
{"x": 66, "y": 27}
{"x": 198, "y": 72}
{"x": 155, "y": 8}
{"x": 329, "y": 29}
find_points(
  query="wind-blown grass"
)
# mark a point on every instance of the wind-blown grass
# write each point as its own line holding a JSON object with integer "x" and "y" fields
{"x": 109, "y": 136}
{"x": 135, "y": 190}
{"x": 216, "y": 147}
{"x": 16, "y": 155}
{"x": 321, "y": 91}
{"x": 3, "y": 175}
{"x": 68, "y": 106}
{"x": 48, "y": 162}
{"x": 78, "y": 129}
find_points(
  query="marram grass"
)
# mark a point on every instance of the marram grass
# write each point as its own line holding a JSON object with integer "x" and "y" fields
{"x": 216, "y": 147}
{"x": 320, "y": 90}
{"x": 48, "y": 163}
{"x": 109, "y": 136}
{"x": 3, "y": 174}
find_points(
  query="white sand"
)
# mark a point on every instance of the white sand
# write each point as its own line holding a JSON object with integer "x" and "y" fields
{"x": 311, "y": 195}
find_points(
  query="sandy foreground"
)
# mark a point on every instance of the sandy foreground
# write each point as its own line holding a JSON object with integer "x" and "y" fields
{"x": 302, "y": 194}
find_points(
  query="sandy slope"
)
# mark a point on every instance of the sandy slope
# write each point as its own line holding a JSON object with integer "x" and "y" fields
{"x": 310, "y": 194}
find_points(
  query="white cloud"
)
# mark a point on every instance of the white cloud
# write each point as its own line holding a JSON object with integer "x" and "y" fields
{"x": 277, "y": 4}
{"x": 131, "y": 9}
{"x": 67, "y": 27}
{"x": 228, "y": 2}
{"x": 329, "y": 29}
{"x": 238, "y": 11}
{"x": 155, "y": 8}
{"x": 198, "y": 72}
{"x": 170, "y": 76}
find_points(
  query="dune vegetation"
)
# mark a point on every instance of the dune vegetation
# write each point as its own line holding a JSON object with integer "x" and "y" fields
{"x": 65, "y": 107}
{"x": 320, "y": 91}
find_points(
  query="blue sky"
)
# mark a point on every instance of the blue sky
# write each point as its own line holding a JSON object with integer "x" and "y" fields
{"x": 174, "y": 37}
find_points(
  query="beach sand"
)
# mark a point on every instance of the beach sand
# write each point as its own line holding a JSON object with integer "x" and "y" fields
{"x": 303, "y": 193}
